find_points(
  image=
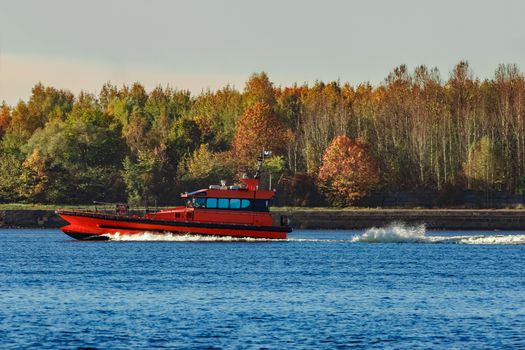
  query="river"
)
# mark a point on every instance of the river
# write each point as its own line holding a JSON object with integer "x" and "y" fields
{"x": 393, "y": 287}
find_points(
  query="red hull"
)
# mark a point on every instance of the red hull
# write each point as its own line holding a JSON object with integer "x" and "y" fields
{"x": 89, "y": 225}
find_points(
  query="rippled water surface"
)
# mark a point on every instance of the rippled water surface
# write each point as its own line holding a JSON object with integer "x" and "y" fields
{"x": 394, "y": 287}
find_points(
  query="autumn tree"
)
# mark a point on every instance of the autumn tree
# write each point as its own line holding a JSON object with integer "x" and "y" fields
{"x": 5, "y": 118}
{"x": 45, "y": 103}
{"x": 258, "y": 129}
{"x": 348, "y": 172}
{"x": 259, "y": 89}
{"x": 509, "y": 86}
{"x": 423, "y": 132}
{"x": 483, "y": 169}
{"x": 325, "y": 113}
{"x": 34, "y": 177}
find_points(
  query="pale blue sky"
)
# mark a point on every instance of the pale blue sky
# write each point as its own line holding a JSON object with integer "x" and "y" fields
{"x": 201, "y": 44}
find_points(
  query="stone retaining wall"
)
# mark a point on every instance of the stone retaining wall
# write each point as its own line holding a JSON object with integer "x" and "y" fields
{"x": 433, "y": 219}
{"x": 30, "y": 218}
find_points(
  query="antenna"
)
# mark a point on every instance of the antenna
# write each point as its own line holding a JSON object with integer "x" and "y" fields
{"x": 260, "y": 159}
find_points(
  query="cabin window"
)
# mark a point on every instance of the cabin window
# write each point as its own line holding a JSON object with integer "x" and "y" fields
{"x": 233, "y": 203}
{"x": 199, "y": 202}
{"x": 211, "y": 203}
{"x": 223, "y": 203}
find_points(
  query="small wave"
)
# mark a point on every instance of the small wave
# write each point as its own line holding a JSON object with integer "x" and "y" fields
{"x": 173, "y": 237}
{"x": 496, "y": 239}
{"x": 402, "y": 233}
{"x": 394, "y": 233}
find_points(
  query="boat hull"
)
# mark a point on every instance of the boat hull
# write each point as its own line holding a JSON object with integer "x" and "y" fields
{"x": 93, "y": 226}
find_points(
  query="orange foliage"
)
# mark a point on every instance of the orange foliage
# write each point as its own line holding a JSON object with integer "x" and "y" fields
{"x": 348, "y": 172}
{"x": 5, "y": 119}
{"x": 259, "y": 128}
{"x": 259, "y": 89}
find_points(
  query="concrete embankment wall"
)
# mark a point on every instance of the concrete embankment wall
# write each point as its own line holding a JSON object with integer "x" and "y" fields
{"x": 335, "y": 219}
{"x": 30, "y": 218}
{"x": 433, "y": 219}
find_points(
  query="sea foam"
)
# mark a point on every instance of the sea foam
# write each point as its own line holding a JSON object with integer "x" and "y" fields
{"x": 172, "y": 237}
{"x": 402, "y": 233}
{"x": 394, "y": 233}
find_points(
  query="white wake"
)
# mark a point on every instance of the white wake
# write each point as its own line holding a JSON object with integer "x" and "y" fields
{"x": 394, "y": 233}
{"x": 173, "y": 237}
{"x": 401, "y": 233}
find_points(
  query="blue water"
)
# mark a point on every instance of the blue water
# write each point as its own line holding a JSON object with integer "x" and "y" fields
{"x": 320, "y": 290}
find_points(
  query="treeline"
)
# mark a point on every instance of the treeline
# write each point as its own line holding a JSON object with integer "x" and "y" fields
{"x": 127, "y": 144}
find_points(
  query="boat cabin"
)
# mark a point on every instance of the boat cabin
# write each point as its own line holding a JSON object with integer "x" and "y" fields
{"x": 220, "y": 203}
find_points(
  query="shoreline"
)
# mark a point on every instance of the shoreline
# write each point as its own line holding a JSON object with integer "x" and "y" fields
{"x": 317, "y": 218}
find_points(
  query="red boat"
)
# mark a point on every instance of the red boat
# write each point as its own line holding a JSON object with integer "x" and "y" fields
{"x": 220, "y": 210}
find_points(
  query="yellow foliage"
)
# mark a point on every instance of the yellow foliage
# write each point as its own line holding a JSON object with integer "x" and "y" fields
{"x": 34, "y": 176}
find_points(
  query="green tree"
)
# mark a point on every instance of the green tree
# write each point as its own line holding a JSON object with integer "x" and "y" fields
{"x": 216, "y": 114}
{"x": 205, "y": 167}
{"x": 10, "y": 174}
{"x": 137, "y": 177}
{"x": 274, "y": 167}
{"x": 149, "y": 179}
{"x": 184, "y": 138}
{"x": 82, "y": 156}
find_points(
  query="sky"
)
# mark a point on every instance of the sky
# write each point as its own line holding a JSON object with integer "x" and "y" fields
{"x": 200, "y": 44}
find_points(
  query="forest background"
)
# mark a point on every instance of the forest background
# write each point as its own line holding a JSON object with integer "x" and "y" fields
{"x": 333, "y": 143}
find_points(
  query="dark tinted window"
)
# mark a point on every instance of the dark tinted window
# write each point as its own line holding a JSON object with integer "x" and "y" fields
{"x": 199, "y": 202}
{"x": 259, "y": 205}
{"x": 233, "y": 203}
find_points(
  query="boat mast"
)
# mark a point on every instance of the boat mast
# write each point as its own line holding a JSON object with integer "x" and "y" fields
{"x": 260, "y": 159}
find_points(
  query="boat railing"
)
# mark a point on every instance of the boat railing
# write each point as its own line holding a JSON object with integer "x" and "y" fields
{"x": 122, "y": 209}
